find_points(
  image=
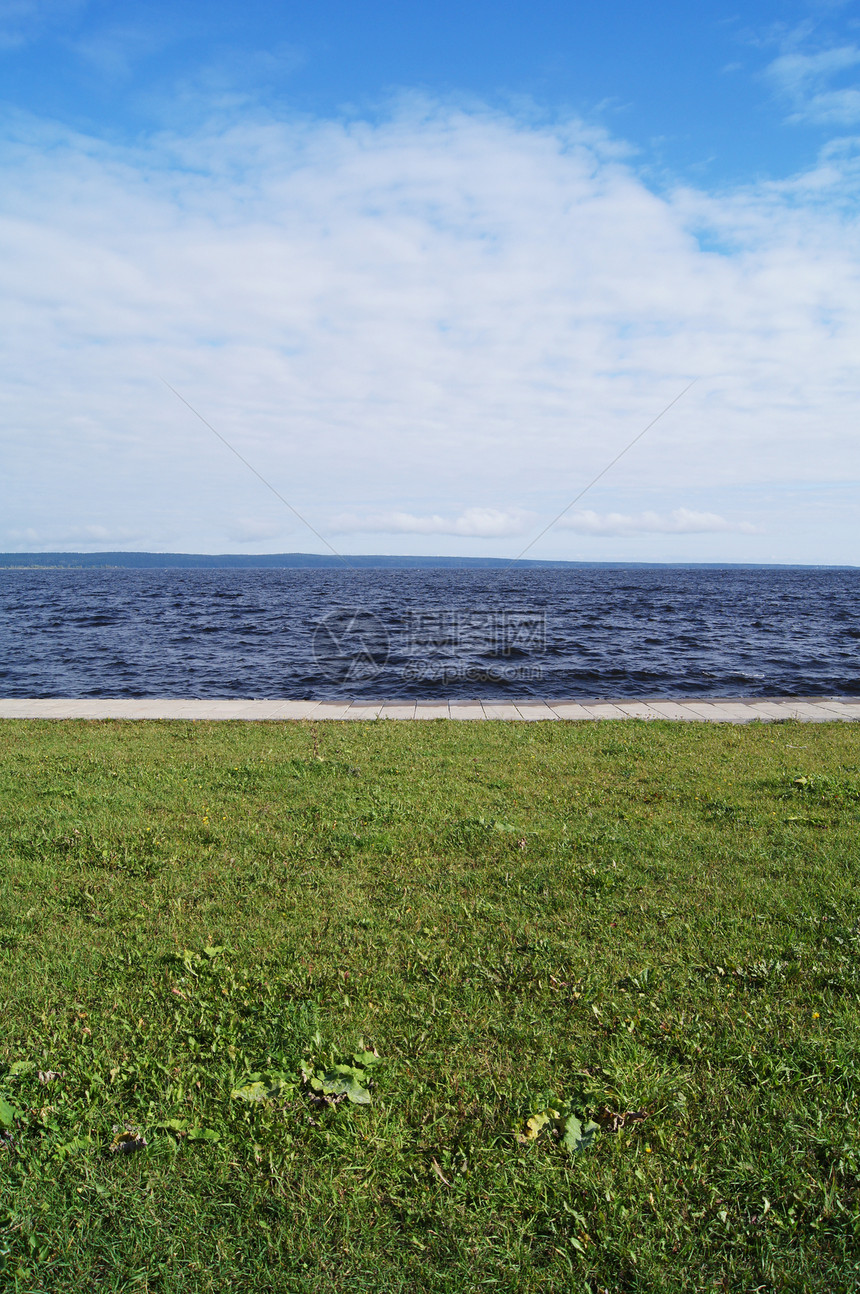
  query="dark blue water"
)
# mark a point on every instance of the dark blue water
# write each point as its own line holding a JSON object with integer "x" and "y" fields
{"x": 581, "y": 632}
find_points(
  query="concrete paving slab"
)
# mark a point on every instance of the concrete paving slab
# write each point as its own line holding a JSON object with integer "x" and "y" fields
{"x": 500, "y": 710}
{"x": 636, "y": 710}
{"x": 816, "y": 712}
{"x": 737, "y": 711}
{"x": 160, "y": 710}
{"x": 260, "y": 710}
{"x": 398, "y": 710}
{"x": 297, "y": 710}
{"x": 713, "y": 712}
{"x": 770, "y": 709}
{"x": 131, "y": 707}
{"x": 568, "y": 710}
{"x": 604, "y": 710}
{"x": 535, "y": 710}
{"x": 85, "y": 708}
{"x": 674, "y": 710}
{"x": 465, "y": 710}
{"x": 332, "y": 709}
{"x": 211, "y": 713}
{"x": 789, "y": 709}
{"x": 363, "y": 710}
{"x": 216, "y": 709}
{"x": 37, "y": 708}
{"x": 212, "y": 716}
{"x": 88, "y": 710}
{"x": 842, "y": 709}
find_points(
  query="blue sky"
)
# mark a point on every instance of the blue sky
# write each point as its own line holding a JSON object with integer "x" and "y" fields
{"x": 686, "y": 83}
{"x": 696, "y": 87}
{"x": 429, "y": 268}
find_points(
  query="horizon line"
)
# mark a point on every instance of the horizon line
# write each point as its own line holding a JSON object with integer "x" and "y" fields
{"x": 33, "y": 560}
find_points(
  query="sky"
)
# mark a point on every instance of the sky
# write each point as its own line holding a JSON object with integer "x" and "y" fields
{"x": 425, "y": 272}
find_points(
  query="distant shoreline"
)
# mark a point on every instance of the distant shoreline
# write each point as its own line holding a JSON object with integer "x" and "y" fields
{"x": 324, "y": 561}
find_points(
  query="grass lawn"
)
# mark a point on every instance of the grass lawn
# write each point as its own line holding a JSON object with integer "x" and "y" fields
{"x": 592, "y": 989}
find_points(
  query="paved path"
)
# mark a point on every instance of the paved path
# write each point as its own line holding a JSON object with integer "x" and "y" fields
{"x": 728, "y": 710}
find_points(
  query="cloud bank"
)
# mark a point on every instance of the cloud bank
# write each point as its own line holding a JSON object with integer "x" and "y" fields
{"x": 473, "y": 523}
{"x": 386, "y": 318}
{"x": 682, "y": 521}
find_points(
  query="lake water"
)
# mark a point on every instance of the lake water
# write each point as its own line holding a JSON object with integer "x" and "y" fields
{"x": 582, "y": 632}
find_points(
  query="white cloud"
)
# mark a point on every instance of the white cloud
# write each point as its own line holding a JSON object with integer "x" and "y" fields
{"x": 60, "y": 538}
{"x": 473, "y": 523}
{"x": 114, "y": 50}
{"x": 805, "y": 80}
{"x": 681, "y": 521}
{"x": 385, "y": 317}
{"x": 24, "y": 20}
{"x": 249, "y": 530}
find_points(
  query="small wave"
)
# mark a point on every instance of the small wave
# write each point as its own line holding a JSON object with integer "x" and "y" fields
{"x": 608, "y": 631}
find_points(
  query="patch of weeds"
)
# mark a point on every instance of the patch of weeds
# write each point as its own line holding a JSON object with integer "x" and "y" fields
{"x": 565, "y": 1125}
{"x": 823, "y": 789}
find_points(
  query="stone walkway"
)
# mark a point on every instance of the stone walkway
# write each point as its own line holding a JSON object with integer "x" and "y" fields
{"x": 728, "y": 710}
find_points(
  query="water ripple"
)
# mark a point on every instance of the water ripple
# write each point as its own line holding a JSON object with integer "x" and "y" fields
{"x": 606, "y": 631}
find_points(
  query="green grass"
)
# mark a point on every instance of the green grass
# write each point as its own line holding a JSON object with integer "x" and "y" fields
{"x": 607, "y": 920}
